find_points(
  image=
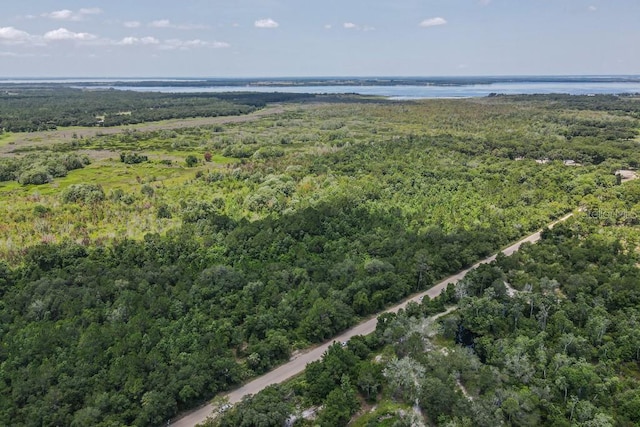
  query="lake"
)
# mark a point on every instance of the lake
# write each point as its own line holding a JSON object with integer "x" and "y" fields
{"x": 454, "y": 87}
{"x": 417, "y": 92}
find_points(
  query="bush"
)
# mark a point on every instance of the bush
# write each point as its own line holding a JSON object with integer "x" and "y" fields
{"x": 73, "y": 161}
{"x": 239, "y": 151}
{"x": 37, "y": 176}
{"x": 85, "y": 193}
{"x": 8, "y": 169}
{"x": 147, "y": 190}
{"x": 164, "y": 211}
{"x": 133, "y": 158}
{"x": 41, "y": 211}
{"x": 56, "y": 169}
{"x": 268, "y": 152}
{"x": 191, "y": 160}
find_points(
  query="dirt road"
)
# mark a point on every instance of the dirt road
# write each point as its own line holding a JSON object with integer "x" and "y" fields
{"x": 297, "y": 364}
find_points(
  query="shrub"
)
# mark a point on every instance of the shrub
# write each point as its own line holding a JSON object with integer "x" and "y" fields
{"x": 41, "y": 211}
{"x": 147, "y": 190}
{"x": 36, "y": 176}
{"x": 73, "y": 161}
{"x": 164, "y": 211}
{"x": 133, "y": 158}
{"x": 8, "y": 169}
{"x": 191, "y": 160}
{"x": 239, "y": 151}
{"x": 56, "y": 169}
{"x": 268, "y": 152}
{"x": 85, "y": 193}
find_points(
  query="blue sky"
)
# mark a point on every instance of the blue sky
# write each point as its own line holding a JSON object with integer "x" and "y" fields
{"x": 267, "y": 38}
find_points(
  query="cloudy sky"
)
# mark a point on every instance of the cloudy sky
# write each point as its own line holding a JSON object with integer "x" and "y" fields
{"x": 254, "y": 38}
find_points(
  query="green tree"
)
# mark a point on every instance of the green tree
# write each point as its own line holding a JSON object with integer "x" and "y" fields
{"x": 191, "y": 160}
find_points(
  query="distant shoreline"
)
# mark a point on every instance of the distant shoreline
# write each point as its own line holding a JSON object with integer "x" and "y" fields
{"x": 391, "y": 88}
{"x": 314, "y": 81}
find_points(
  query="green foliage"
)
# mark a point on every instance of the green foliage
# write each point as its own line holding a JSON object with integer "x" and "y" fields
{"x": 29, "y": 109}
{"x": 35, "y": 176}
{"x": 83, "y": 193}
{"x": 550, "y": 351}
{"x": 266, "y": 409}
{"x": 164, "y": 212}
{"x": 191, "y": 161}
{"x": 133, "y": 158}
{"x": 239, "y": 151}
{"x": 147, "y": 190}
{"x": 40, "y": 168}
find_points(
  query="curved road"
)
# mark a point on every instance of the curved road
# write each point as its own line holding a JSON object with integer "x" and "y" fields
{"x": 298, "y": 363}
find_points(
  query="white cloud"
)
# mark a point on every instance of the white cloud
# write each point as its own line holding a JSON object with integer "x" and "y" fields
{"x": 328, "y": 26}
{"x": 432, "y": 22}
{"x": 90, "y": 11}
{"x": 64, "y": 34}
{"x": 70, "y": 15}
{"x": 170, "y": 44}
{"x": 592, "y": 8}
{"x": 173, "y": 44}
{"x": 59, "y": 14}
{"x": 10, "y": 35}
{"x": 219, "y": 45}
{"x": 161, "y": 23}
{"x": 22, "y": 55}
{"x": 130, "y": 41}
{"x": 165, "y": 23}
{"x": 352, "y": 26}
{"x": 484, "y": 2}
{"x": 266, "y": 23}
{"x": 132, "y": 24}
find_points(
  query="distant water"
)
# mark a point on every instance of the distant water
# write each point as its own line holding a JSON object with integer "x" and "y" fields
{"x": 399, "y": 92}
{"x": 414, "y": 92}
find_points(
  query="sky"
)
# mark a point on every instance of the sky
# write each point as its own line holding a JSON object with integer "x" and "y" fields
{"x": 287, "y": 38}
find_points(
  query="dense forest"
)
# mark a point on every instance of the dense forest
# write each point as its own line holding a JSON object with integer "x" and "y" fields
{"x": 33, "y": 109}
{"x": 547, "y": 336}
{"x": 172, "y": 264}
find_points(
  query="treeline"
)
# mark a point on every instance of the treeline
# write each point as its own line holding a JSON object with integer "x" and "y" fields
{"x": 26, "y": 110}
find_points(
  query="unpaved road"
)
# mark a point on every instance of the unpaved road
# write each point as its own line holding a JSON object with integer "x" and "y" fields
{"x": 297, "y": 364}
